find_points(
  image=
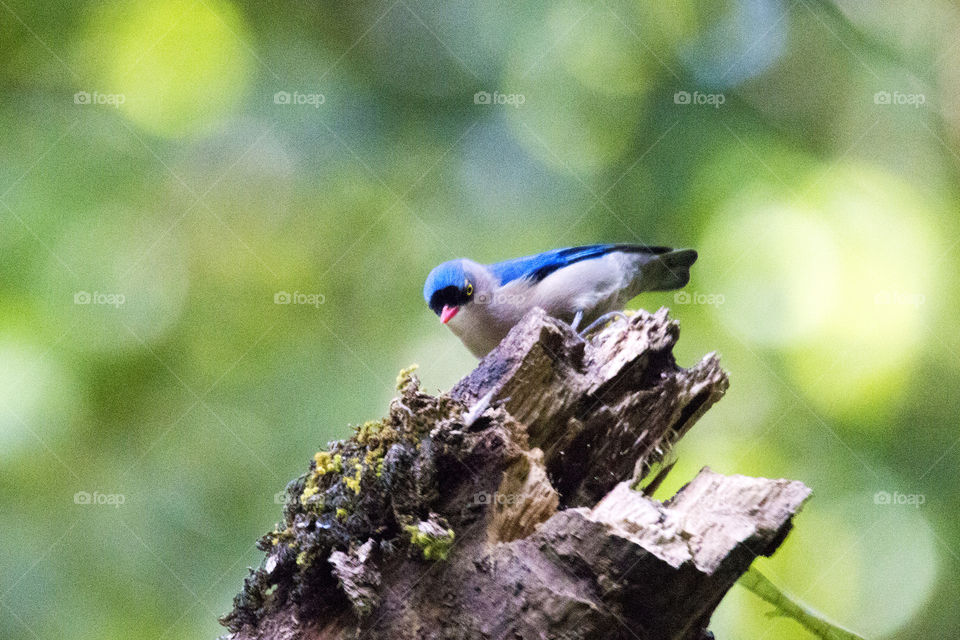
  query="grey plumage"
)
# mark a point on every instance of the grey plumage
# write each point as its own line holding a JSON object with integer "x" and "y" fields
{"x": 592, "y": 280}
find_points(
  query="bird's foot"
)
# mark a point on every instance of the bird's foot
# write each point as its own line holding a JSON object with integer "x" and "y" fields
{"x": 576, "y": 320}
{"x": 602, "y": 321}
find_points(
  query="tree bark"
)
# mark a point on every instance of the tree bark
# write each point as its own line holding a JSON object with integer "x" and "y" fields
{"x": 511, "y": 507}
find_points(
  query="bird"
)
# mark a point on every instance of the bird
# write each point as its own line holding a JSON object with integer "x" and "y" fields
{"x": 480, "y": 303}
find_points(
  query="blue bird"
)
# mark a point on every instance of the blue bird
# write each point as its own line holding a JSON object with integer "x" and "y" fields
{"x": 481, "y": 303}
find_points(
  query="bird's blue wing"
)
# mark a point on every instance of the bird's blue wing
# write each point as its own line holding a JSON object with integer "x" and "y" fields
{"x": 539, "y": 266}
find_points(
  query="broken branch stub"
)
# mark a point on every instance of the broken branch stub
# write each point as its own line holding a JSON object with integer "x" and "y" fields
{"x": 604, "y": 411}
{"x": 451, "y": 519}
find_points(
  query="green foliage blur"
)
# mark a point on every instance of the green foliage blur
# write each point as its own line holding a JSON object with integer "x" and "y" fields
{"x": 216, "y": 217}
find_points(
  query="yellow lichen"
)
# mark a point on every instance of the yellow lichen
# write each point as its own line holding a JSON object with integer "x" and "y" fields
{"x": 405, "y": 376}
{"x": 435, "y": 546}
{"x": 342, "y": 514}
{"x": 308, "y": 491}
{"x": 277, "y": 536}
{"x": 326, "y": 463}
{"x": 353, "y": 482}
{"x": 369, "y": 432}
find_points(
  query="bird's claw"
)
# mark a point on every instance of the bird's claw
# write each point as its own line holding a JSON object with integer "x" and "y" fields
{"x": 477, "y": 409}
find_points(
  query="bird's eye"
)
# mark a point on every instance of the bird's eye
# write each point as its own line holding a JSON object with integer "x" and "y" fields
{"x": 469, "y": 289}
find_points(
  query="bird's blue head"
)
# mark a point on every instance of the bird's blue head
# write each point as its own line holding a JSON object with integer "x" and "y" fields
{"x": 448, "y": 288}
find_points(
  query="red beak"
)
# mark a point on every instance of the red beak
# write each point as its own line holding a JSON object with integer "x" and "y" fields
{"x": 447, "y": 313}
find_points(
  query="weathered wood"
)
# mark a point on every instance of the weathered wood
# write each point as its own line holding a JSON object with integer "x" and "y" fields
{"x": 603, "y": 411}
{"x": 504, "y": 509}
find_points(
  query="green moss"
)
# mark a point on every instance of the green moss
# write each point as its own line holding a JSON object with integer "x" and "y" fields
{"x": 377, "y": 436}
{"x": 277, "y": 536}
{"x": 368, "y": 434}
{"x": 344, "y": 498}
{"x": 435, "y": 546}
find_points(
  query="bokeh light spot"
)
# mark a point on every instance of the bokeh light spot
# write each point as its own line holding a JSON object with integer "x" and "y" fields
{"x": 837, "y": 275}
{"x": 611, "y": 60}
{"x": 564, "y": 120}
{"x": 35, "y": 394}
{"x": 829, "y": 585}
{"x": 879, "y": 555}
{"x": 180, "y": 66}
{"x": 777, "y": 269}
{"x": 129, "y": 285}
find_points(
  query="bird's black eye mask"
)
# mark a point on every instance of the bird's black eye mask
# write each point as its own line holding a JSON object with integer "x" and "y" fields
{"x": 450, "y": 296}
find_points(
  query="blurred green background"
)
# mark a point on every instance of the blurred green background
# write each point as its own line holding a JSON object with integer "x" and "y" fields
{"x": 174, "y": 171}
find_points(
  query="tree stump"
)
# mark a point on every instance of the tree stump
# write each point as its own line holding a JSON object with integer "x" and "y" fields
{"x": 510, "y": 507}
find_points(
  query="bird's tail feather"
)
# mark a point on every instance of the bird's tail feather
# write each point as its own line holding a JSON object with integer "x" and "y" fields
{"x": 666, "y": 271}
